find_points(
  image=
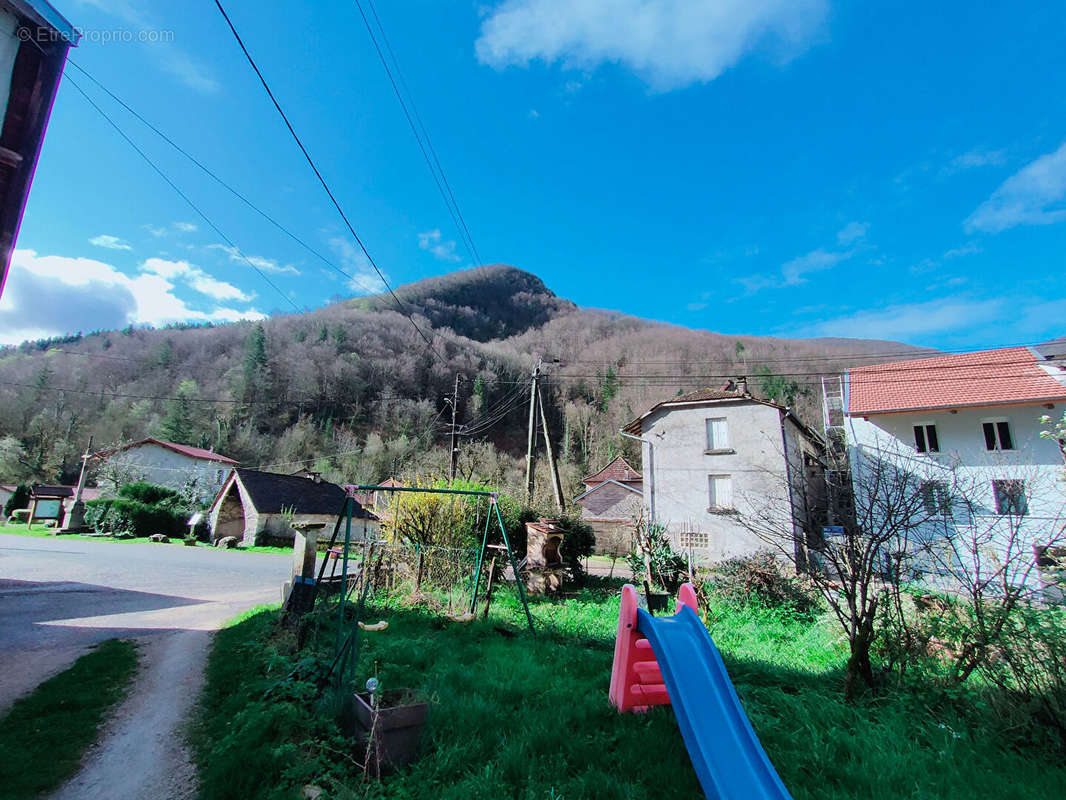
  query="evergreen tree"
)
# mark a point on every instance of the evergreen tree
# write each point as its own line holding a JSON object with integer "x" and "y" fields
{"x": 179, "y": 423}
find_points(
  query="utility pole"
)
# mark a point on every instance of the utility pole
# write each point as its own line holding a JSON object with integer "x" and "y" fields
{"x": 557, "y": 485}
{"x": 532, "y": 433}
{"x": 455, "y": 439}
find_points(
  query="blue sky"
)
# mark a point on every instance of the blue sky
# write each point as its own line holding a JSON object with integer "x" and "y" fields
{"x": 795, "y": 168}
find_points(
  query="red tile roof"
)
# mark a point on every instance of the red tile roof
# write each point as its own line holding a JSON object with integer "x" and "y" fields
{"x": 1011, "y": 375}
{"x": 184, "y": 449}
{"x": 617, "y": 470}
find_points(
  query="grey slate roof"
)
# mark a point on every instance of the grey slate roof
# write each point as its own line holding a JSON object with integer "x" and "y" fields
{"x": 272, "y": 493}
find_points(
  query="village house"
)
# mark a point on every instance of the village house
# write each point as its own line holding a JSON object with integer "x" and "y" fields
{"x": 968, "y": 426}
{"x": 192, "y": 470}
{"x": 611, "y": 504}
{"x": 712, "y": 455}
{"x": 261, "y": 508}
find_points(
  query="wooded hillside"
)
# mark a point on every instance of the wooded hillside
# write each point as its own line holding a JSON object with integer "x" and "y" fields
{"x": 353, "y": 390}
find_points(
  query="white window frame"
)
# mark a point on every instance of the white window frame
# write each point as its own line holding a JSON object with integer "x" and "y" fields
{"x": 925, "y": 426}
{"x": 713, "y": 492}
{"x": 1013, "y": 508}
{"x": 995, "y": 423}
{"x": 935, "y": 498}
{"x": 712, "y": 438}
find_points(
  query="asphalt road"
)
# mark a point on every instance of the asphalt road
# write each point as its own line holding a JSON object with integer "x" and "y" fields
{"x": 58, "y": 596}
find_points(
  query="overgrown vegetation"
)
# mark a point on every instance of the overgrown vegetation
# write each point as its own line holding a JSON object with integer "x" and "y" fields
{"x": 45, "y": 734}
{"x": 141, "y": 509}
{"x": 527, "y": 716}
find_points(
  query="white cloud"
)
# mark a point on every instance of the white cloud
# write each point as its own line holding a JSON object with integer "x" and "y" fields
{"x": 109, "y": 242}
{"x": 433, "y": 242}
{"x": 669, "y": 43}
{"x": 979, "y": 157}
{"x": 164, "y": 51}
{"x": 532, "y": 114}
{"x": 363, "y": 280}
{"x": 260, "y": 262}
{"x": 1034, "y": 195}
{"x": 852, "y": 232}
{"x": 94, "y": 295}
{"x": 195, "y": 278}
{"x": 185, "y": 227}
{"x": 908, "y": 321}
{"x": 795, "y": 271}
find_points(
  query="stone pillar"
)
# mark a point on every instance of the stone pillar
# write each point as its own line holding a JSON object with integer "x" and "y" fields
{"x": 305, "y": 549}
{"x": 298, "y": 594}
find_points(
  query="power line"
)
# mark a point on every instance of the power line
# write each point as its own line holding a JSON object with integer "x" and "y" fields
{"x": 180, "y": 193}
{"x": 214, "y": 176}
{"x": 423, "y": 140}
{"x": 322, "y": 180}
{"x": 792, "y": 359}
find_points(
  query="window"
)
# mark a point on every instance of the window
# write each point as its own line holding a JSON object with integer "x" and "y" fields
{"x": 935, "y": 498}
{"x": 721, "y": 492}
{"x": 997, "y": 435}
{"x": 925, "y": 439}
{"x": 694, "y": 539}
{"x": 1010, "y": 497}
{"x": 219, "y": 475}
{"x": 717, "y": 434}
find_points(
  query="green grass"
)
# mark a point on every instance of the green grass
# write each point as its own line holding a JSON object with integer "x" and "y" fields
{"x": 45, "y": 734}
{"x": 19, "y": 529}
{"x": 528, "y": 717}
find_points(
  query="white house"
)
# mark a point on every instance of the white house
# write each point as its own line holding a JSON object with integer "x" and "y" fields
{"x": 713, "y": 454}
{"x": 971, "y": 420}
{"x": 192, "y": 469}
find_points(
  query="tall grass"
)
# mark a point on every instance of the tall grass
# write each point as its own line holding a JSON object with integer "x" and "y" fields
{"x": 526, "y": 716}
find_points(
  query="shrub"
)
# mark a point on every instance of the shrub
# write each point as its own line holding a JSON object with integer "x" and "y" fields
{"x": 577, "y": 544}
{"x": 655, "y": 551}
{"x": 151, "y": 494}
{"x": 759, "y": 578}
{"x": 131, "y": 511}
{"x": 20, "y": 498}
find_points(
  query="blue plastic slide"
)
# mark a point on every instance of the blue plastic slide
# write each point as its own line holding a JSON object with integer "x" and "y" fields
{"x": 725, "y": 752}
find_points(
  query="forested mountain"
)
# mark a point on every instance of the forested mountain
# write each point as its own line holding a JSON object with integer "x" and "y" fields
{"x": 354, "y": 391}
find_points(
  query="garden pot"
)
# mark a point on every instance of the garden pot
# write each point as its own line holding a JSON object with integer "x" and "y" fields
{"x": 396, "y": 731}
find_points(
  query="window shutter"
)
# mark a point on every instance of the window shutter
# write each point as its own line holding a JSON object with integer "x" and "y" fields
{"x": 712, "y": 495}
{"x": 721, "y": 434}
{"x": 1004, "y": 436}
{"x": 930, "y": 435}
{"x": 721, "y": 491}
{"x": 990, "y": 435}
{"x": 919, "y": 439}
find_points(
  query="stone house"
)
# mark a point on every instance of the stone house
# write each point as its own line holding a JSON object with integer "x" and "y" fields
{"x": 260, "y": 507}
{"x": 712, "y": 455}
{"x": 611, "y": 503}
{"x": 199, "y": 472}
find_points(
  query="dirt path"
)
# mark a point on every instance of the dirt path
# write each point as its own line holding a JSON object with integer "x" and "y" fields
{"x": 142, "y": 753}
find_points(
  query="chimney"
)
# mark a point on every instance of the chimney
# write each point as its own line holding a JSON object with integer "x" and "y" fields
{"x": 742, "y": 385}
{"x": 729, "y": 386}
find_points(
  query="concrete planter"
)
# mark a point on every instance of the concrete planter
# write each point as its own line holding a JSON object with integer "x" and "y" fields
{"x": 397, "y": 731}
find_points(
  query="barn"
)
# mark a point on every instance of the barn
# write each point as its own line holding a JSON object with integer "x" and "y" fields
{"x": 260, "y": 507}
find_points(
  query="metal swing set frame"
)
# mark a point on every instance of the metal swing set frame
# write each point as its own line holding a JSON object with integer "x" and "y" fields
{"x": 346, "y": 516}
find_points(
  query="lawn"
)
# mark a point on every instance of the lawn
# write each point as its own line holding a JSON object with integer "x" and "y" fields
{"x": 45, "y": 734}
{"x": 527, "y": 716}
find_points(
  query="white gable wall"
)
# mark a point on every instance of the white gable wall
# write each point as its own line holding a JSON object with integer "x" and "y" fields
{"x": 160, "y": 465}
{"x": 1033, "y": 460}
{"x": 677, "y": 469}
